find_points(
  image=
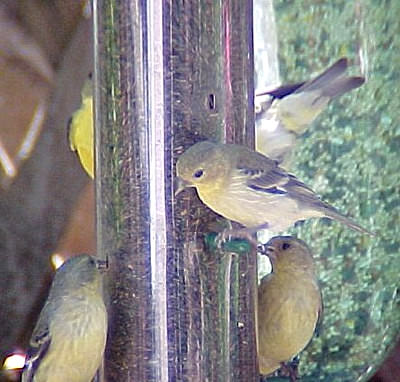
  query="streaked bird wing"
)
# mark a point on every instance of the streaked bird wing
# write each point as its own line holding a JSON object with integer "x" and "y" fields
{"x": 39, "y": 345}
{"x": 271, "y": 180}
{"x": 330, "y": 74}
{"x": 332, "y": 82}
{"x": 259, "y": 170}
{"x": 335, "y": 71}
{"x": 264, "y": 174}
{"x": 282, "y": 91}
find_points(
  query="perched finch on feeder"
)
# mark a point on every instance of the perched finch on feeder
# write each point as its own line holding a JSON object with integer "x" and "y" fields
{"x": 251, "y": 189}
{"x": 68, "y": 340}
{"x": 289, "y": 303}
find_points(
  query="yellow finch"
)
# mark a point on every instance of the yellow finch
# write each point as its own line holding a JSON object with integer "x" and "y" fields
{"x": 288, "y": 110}
{"x": 81, "y": 130}
{"x": 249, "y": 188}
{"x": 289, "y": 303}
{"x": 68, "y": 341}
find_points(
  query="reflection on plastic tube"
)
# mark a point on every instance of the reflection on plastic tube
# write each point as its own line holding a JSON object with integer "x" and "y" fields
{"x": 168, "y": 74}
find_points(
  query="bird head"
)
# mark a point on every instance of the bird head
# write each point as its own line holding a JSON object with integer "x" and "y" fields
{"x": 287, "y": 252}
{"x": 78, "y": 271}
{"x": 202, "y": 166}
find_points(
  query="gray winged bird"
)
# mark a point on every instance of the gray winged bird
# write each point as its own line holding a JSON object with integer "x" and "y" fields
{"x": 283, "y": 114}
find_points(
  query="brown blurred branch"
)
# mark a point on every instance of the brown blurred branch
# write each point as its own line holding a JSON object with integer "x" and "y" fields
{"x": 35, "y": 208}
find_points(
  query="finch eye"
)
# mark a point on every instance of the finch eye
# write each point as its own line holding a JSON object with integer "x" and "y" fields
{"x": 285, "y": 246}
{"x": 198, "y": 174}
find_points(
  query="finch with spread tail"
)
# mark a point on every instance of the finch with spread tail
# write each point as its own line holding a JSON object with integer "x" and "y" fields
{"x": 284, "y": 113}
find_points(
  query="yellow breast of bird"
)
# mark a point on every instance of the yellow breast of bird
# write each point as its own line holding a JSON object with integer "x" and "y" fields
{"x": 77, "y": 344}
{"x": 81, "y": 137}
{"x": 252, "y": 208}
{"x": 287, "y": 316}
{"x": 275, "y": 143}
{"x": 299, "y": 110}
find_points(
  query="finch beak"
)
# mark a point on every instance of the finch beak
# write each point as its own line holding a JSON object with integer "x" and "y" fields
{"x": 180, "y": 185}
{"x": 270, "y": 252}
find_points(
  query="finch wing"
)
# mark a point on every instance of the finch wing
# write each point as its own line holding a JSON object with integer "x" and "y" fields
{"x": 278, "y": 181}
{"x": 39, "y": 345}
{"x": 333, "y": 82}
{"x": 273, "y": 181}
{"x": 282, "y": 91}
{"x": 306, "y": 197}
{"x": 330, "y": 74}
{"x": 264, "y": 174}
